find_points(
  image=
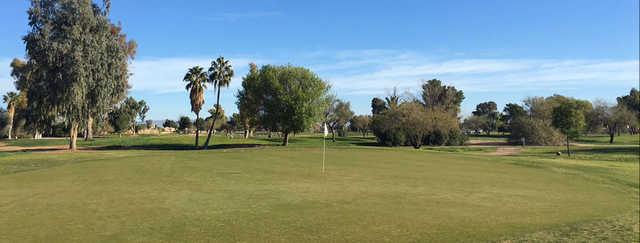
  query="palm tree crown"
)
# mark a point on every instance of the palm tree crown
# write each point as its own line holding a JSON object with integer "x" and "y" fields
{"x": 11, "y": 99}
{"x": 196, "y": 80}
{"x": 220, "y": 73}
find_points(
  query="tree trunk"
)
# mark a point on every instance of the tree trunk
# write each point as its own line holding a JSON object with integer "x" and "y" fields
{"x": 612, "y": 133}
{"x": 73, "y": 136}
{"x": 333, "y": 134}
{"x": 89, "y": 132}
{"x": 11, "y": 112}
{"x": 568, "y": 152}
{"x": 197, "y": 128}
{"x": 215, "y": 116}
{"x": 37, "y": 134}
{"x": 285, "y": 140}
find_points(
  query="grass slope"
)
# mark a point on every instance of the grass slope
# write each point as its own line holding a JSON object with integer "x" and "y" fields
{"x": 143, "y": 190}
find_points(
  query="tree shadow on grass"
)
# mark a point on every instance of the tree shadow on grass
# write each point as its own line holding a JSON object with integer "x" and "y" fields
{"x": 174, "y": 147}
{"x": 369, "y": 144}
{"x": 632, "y": 150}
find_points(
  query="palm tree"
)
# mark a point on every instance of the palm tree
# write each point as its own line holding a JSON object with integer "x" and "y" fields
{"x": 196, "y": 80}
{"x": 220, "y": 74}
{"x": 11, "y": 99}
{"x": 393, "y": 100}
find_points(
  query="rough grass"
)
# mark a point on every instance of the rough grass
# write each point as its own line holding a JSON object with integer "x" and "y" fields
{"x": 152, "y": 189}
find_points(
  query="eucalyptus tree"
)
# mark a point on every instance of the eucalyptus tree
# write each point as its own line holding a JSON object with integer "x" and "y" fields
{"x": 220, "y": 74}
{"x": 249, "y": 101}
{"x": 143, "y": 109}
{"x": 11, "y": 99}
{"x": 196, "y": 80}
{"x": 80, "y": 60}
{"x": 111, "y": 52}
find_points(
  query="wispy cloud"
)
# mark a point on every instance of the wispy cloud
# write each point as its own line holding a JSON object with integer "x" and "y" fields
{"x": 164, "y": 75}
{"x": 236, "y": 16}
{"x": 373, "y": 72}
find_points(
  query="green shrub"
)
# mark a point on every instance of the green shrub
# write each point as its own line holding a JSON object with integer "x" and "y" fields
{"x": 412, "y": 124}
{"x": 535, "y": 132}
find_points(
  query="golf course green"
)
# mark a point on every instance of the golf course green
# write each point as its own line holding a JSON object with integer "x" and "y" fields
{"x": 155, "y": 189}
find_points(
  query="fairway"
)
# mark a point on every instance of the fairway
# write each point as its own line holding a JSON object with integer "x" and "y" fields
{"x": 271, "y": 193}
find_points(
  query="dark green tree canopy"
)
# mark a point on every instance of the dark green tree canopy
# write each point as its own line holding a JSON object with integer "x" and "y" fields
{"x": 378, "y": 106}
{"x": 512, "y": 111}
{"x": 485, "y": 108}
{"x": 631, "y": 101}
{"x": 436, "y": 95}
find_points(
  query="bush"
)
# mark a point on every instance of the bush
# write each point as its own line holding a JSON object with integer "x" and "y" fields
{"x": 412, "y": 124}
{"x": 535, "y": 132}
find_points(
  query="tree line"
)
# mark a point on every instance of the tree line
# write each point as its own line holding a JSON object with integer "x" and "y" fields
{"x": 74, "y": 80}
{"x": 557, "y": 119}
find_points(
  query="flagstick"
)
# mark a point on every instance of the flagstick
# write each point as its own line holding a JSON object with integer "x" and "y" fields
{"x": 324, "y": 149}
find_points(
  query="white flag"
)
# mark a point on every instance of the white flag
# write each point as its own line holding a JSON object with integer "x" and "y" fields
{"x": 326, "y": 132}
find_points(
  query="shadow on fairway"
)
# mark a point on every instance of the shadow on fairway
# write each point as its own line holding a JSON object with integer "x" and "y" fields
{"x": 174, "y": 147}
{"x": 614, "y": 150}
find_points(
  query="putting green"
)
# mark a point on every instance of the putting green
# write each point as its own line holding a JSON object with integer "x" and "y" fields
{"x": 279, "y": 194}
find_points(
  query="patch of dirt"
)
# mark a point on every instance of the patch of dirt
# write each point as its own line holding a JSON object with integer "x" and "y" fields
{"x": 504, "y": 151}
{"x": 9, "y": 148}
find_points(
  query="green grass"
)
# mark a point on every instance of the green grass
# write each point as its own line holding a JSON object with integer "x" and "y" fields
{"x": 152, "y": 189}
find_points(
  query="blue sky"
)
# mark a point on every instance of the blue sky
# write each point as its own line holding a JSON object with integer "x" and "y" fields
{"x": 492, "y": 50}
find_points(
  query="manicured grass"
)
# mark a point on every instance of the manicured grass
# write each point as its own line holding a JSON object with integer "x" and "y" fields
{"x": 151, "y": 189}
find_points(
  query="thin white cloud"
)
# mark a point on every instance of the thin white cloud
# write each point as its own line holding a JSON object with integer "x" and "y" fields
{"x": 384, "y": 70}
{"x": 372, "y": 72}
{"x": 164, "y": 75}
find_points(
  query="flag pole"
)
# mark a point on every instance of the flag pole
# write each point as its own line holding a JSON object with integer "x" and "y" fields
{"x": 324, "y": 150}
{"x": 325, "y": 132}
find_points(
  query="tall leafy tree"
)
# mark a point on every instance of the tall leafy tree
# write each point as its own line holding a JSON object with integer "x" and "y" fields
{"x": 339, "y": 116}
{"x": 196, "y": 80}
{"x": 488, "y": 110}
{"x": 79, "y": 60}
{"x": 361, "y": 123}
{"x": 184, "y": 124}
{"x": 569, "y": 119}
{"x": 293, "y": 97}
{"x": 510, "y": 113}
{"x": 143, "y": 109}
{"x": 618, "y": 118}
{"x": 36, "y": 113}
{"x": 131, "y": 108}
{"x": 220, "y": 74}
{"x": 436, "y": 95}
{"x": 11, "y": 99}
{"x": 249, "y": 101}
{"x": 631, "y": 101}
